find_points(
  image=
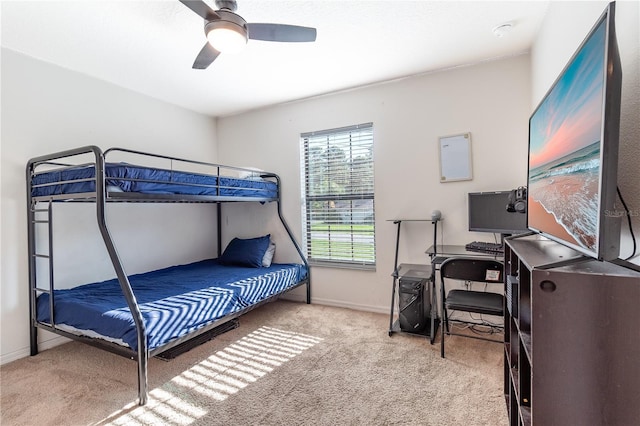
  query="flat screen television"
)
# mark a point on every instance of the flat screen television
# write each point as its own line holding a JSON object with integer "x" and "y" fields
{"x": 573, "y": 149}
{"x": 488, "y": 213}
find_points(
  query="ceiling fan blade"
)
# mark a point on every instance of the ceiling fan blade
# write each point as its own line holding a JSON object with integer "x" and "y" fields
{"x": 281, "y": 32}
{"x": 206, "y": 56}
{"x": 201, "y": 8}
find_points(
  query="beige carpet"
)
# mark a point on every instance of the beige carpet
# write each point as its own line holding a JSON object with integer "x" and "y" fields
{"x": 288, "y": 363}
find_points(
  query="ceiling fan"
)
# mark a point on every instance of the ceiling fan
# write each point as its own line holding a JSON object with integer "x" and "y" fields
{"x": 227, "y": 32}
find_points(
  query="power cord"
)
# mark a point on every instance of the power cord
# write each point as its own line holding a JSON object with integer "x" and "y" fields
{"x": 476, "y": 328}
{"x": 475, "y": 321}
{"x": 628, "y": 213}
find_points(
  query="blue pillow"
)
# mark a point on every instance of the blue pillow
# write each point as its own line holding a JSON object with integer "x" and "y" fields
{"x": 249, "y": 252}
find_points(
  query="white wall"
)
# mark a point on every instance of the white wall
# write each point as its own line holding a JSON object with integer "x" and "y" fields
{"x": 46, "y": 109}
{"x": 564, "y": 27}
{"x": 491, "y": 100}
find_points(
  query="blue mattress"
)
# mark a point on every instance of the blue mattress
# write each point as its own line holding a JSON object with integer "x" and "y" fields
{"x": 174, "y": 301}
{"x": 131, "y": 178}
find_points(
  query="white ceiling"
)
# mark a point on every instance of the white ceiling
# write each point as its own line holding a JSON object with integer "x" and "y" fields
{"x": 149, "y": 46}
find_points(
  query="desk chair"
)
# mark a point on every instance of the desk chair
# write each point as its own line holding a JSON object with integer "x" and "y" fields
{"x": 481, "y": 302}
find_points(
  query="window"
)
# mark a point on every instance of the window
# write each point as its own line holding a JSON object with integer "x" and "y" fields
{"x": 338, "y": 195}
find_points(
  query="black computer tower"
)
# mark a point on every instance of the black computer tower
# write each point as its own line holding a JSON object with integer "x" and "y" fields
{"x": 413, "y": 314}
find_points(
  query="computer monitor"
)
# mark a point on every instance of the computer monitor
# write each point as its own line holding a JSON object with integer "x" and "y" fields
{"x": 488, "y": 213}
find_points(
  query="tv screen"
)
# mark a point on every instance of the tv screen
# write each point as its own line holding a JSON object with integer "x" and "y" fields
{"x": 573, "y": 149}
{"x": 488, "y": 213}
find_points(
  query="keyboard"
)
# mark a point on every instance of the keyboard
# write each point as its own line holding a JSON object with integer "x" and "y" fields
{"x": 485, "y": 247}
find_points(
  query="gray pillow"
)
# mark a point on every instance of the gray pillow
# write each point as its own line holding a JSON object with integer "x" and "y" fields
{"x": 268, "y": 255}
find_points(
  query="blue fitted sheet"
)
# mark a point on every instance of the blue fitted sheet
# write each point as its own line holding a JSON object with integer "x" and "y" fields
{"x": 174, "y": 301}
{"x": 133, "y": 178}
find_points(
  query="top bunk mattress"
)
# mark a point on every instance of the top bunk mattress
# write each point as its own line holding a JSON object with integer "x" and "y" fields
{"x": 123, "y": 177}
{"x": 174, "y": 301}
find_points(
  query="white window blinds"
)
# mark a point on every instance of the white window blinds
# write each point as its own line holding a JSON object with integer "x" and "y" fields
{"x": 338, "y": 190}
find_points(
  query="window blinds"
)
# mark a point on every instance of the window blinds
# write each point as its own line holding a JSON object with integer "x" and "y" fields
{"x": 338, "y": 186}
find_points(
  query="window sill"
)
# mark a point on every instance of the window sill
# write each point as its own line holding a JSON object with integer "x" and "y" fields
{"x": 342, "y": 265}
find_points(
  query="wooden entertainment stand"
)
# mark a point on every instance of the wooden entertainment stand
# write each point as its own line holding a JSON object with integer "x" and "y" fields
{"x": 572, "y": 337}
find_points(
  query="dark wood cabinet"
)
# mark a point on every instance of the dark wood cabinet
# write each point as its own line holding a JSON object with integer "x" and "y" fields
{"x": 572, "y": 337}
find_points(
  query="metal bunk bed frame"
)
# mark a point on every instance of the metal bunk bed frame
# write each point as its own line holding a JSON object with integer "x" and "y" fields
{"x": 100, "y": 197}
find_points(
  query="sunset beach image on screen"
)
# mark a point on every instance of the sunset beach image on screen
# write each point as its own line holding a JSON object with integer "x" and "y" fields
{"x": 565, "y": 152}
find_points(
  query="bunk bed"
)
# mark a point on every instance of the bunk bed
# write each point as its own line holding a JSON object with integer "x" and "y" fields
{"x": 145, "y": 315}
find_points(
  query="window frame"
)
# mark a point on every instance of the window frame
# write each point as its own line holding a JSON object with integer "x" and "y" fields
{"x": 362, "y": 242}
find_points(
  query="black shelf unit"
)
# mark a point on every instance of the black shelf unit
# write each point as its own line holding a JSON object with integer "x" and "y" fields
{"x": 571, "y": 345}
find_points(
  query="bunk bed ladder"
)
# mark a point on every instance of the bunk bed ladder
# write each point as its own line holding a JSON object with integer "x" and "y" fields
{"x": 35, "y": 218}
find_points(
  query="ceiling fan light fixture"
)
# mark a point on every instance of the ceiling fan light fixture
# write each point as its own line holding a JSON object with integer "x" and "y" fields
{"x": 227, "y": 36}
{"x": 226, "y": 40}
{"x": 228, "y": 32}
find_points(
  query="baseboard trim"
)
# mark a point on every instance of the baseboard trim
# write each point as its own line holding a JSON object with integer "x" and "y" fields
{"x": 339, "y": 304}
{"x": 25, "y": 352}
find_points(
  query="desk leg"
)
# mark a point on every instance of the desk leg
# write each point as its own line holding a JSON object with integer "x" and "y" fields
{"x": 395, "y": 277}
{"x": 393, "y": 303}
{"x": 433, "y": 313}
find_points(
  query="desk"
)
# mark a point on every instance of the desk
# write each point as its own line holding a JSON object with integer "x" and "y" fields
{"x": 440, "y": 253}
{"x": 444, "y": 252}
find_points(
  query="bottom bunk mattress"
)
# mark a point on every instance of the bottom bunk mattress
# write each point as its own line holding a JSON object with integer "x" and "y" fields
{"x": 174, "y": 301}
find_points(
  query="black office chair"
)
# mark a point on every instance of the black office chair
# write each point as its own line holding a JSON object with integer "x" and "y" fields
{"x": 481, "y": 302}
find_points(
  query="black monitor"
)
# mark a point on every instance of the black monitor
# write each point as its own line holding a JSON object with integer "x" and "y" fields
{"x": 488, "y": 213}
